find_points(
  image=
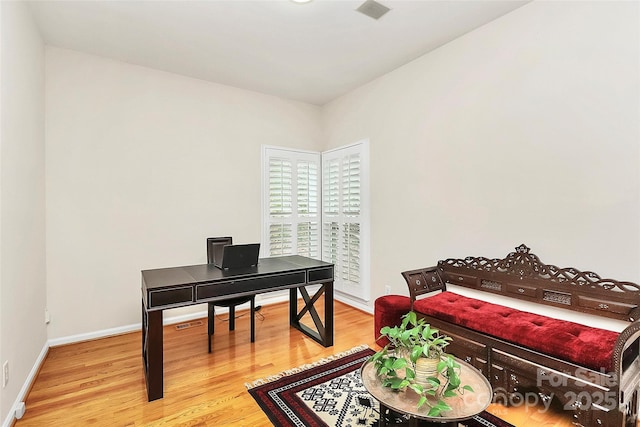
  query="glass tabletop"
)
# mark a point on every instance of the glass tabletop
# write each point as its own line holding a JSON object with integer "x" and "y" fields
{"x": 405, "y": 402}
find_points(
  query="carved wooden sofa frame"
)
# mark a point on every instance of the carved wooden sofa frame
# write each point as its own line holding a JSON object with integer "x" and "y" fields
{"x": 595, "y": 397}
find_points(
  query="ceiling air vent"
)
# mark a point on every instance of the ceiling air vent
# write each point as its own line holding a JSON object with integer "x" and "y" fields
{"x": 373, "y": 9}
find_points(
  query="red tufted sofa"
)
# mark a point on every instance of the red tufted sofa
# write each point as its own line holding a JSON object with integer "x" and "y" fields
{"x": 592, "y": 372}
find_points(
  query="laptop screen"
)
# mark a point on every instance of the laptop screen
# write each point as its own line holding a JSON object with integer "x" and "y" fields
{"x": 240, "y": 256}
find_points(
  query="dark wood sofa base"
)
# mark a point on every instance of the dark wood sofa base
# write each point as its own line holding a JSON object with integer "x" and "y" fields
{"x": 521, "y": 375}
{"x": 594, "y": 397}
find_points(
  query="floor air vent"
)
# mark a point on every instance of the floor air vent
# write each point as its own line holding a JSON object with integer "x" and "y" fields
{"x": 182, "y": 326}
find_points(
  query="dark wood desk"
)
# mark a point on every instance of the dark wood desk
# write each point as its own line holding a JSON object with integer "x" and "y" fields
{"x": 182, "y": 286}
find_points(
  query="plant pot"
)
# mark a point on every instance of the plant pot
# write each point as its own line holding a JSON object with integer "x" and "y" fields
{"x": 403, "y": 353}
{"x": 425, "y": 368}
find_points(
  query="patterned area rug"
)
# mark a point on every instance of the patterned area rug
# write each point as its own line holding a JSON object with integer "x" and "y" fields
{"x": 330, "y": 393}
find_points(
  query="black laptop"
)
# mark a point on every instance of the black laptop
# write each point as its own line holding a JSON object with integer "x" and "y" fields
{"x": 239, "y": 256}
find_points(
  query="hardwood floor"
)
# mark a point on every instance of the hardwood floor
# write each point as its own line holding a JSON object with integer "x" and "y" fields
{"x": 101, "y": 382}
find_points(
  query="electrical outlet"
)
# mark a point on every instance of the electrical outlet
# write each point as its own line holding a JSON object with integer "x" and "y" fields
{"x": 387, "y": 290}
{"x": 5, "y": 374}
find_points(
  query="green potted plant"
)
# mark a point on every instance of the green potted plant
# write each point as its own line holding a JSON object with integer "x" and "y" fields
{"x": 415, "y": 359}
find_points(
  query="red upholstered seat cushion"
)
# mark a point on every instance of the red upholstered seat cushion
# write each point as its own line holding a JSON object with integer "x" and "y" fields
{"x": 569, "y": 341}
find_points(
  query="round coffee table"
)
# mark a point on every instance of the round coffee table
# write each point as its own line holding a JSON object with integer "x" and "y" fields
{"x": 405, "y": 402}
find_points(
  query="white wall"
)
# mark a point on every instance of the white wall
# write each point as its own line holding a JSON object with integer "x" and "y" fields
{"x": 142, "y": 166}
{"x": 23, "y": 334}
{"x": 525, "y": 130}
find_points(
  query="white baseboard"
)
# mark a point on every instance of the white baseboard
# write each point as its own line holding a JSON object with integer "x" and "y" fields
{"x": 353, "y": 302}
{"x": 261, "y": 300}
{"x": 122, "y": 329}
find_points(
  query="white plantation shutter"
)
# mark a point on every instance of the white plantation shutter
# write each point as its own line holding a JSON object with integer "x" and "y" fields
{"x": 345, "y": 219}
{"x": 292, "y": 192}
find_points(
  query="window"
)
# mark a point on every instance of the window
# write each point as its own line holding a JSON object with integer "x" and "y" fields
{"x": 293, "y": 222}
{"x": 291, "y": 207}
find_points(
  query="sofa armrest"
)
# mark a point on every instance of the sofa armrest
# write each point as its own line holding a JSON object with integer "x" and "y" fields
{"x": 626, "y": 360}
{"x": 423, "y": 281}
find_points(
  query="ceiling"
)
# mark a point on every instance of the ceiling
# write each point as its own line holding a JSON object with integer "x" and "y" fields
{"x": 311, "y": 52}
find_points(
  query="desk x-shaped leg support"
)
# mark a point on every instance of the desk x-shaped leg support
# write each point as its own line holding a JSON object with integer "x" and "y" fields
{"x": 323, "y": 333}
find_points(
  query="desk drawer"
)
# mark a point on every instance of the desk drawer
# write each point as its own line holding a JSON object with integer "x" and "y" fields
{"x": 321, "y": 275}
{"x": 248, "y": 286}
{"x": 171, "y": 297}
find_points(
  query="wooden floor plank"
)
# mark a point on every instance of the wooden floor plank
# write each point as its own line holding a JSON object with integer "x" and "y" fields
{"x": 101, "y": 382}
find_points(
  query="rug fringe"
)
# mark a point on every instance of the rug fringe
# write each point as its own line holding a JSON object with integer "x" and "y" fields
{"x": 305, "y": 367}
